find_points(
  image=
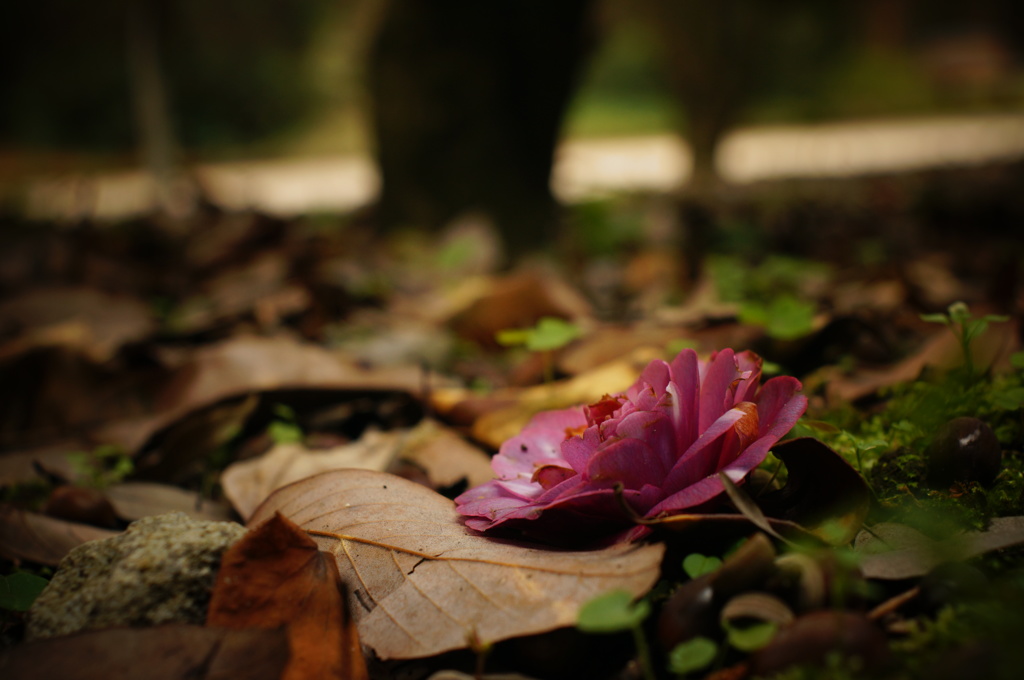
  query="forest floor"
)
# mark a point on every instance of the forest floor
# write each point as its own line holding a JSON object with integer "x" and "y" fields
{"x": 145, "y": 369}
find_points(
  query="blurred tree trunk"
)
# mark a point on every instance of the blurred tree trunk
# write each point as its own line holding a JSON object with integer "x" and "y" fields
{"x": 468, "y": 102}
{"x": 711, "y": 51}
{"x": 174, "y": 193}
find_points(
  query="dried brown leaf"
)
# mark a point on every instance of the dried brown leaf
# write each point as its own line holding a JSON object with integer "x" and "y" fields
{"x": 445, "y": 456}
{"x": 175, "y": 652}
{"x": 135, "y": 500}
{"x": 247, "y": 483}
{"x": 93, "y": 322}
{"x": 249, "y": 364}
{"x": 275, "y": 576}
{"x": 41, "y": 539}
{"x": 421, "y": 583}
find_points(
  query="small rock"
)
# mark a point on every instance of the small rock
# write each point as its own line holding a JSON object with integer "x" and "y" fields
{"x": 160, "y": 570}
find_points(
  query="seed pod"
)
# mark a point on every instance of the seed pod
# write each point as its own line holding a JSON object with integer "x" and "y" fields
{"x": 759, "y": 607}
{"x": 805, "y": 578}
{"x": 965, "y": 450}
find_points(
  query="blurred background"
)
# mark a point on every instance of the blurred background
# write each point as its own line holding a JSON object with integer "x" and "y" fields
{"x": 428, "y": 109}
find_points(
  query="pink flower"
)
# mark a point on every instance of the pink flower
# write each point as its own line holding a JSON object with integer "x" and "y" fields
{"x": 658, "y": 448}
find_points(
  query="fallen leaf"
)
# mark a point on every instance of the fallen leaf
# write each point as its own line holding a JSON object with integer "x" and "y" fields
{"x": 422, "y": 583}
{"x": 445, "y": 456}
{"x": 504, "y": 413}
{"x": 276, "y": 576}
{"x": 41, "y": 539}
{"x": 518, "y": 301}
{"x": 610, "y": 343}
{"x": 247, "y": 483}
{"x": 93, "y": 322}
{"x": 135, "y": 500}
{"x": 940, "y": 351}
{"x": 175, "y": 652}
{"x": 186, "y": 439}
{"x": 255, "y": 287}
{"x": 248, "y": 364}
{"x": 895, "y": 551}
{"x": 823, "y": 493}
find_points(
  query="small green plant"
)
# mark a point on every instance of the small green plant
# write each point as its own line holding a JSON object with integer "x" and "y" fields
{"x": 772, "y": 293}
{"x": 693, "y": 655}
{"x": 696, "y": 565}
{"x": 783, "y": 318}
{"x": 19, "y": 590}
{"x": 616, "y": 612}
{"x": 549, "y": 334}
{"x": 284, "y": 429}
{"x": 750, "y": 638}
{"x": 966, "y": 328}
{"x": 104, "y": 466}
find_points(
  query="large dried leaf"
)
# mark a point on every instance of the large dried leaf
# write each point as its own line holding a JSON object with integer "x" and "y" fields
{"x": 41, "y": 539}
{"x": 247, "y": 483}
{"x": 176, "y": 652}
{"x": 275, "y": 576}
{"x": 421, "y": 583}
{"x": 135, "y": 500}
{"x": 249, "y": 364}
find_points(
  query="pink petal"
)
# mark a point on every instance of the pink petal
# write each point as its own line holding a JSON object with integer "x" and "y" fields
{"x": 538, "y": 444}
{"x": 748, "y": 363}
{"x": 778, "y": 402}
{"x": 685, "y": 391}
{"x": 696, "y": 462}
{"x": 550, "y": 476}
{"x": 627, "y": 461}
{"x": 714, "y": 389}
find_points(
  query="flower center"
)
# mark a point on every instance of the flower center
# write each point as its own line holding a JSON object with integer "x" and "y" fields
{"x": 602, "y": 410}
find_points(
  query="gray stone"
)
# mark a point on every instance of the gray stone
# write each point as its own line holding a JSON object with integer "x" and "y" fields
{"x": 160, "y": 570}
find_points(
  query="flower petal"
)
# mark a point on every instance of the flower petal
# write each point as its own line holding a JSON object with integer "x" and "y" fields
{"x": 714, "y": 389}
{"x": 685, "y": 391}
{"x": 538, "y": 444}
{"x": 626, "y": 461}
{"x": 550, "y": 476}
{"x": 696, "y": 462}
{"x": 779, "y": 404}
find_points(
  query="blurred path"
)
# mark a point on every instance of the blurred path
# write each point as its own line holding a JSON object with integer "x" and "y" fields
{"x": 583, "y": 168}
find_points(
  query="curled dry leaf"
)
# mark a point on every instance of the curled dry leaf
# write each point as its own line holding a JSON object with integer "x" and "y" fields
{"x": 41, "y": 539}
{"x": 824, "y": 493}
{"x": 247, "y": 483}
{"x": 176, "y": 652}
{"x": 275, "y": 576}
{"x": 422, "y": 583}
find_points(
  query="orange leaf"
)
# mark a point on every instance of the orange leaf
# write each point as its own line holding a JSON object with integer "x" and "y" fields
{"x": 275, "y": 576}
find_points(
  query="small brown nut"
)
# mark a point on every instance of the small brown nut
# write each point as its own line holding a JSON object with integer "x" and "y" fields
{"x": 964, "y": 450}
